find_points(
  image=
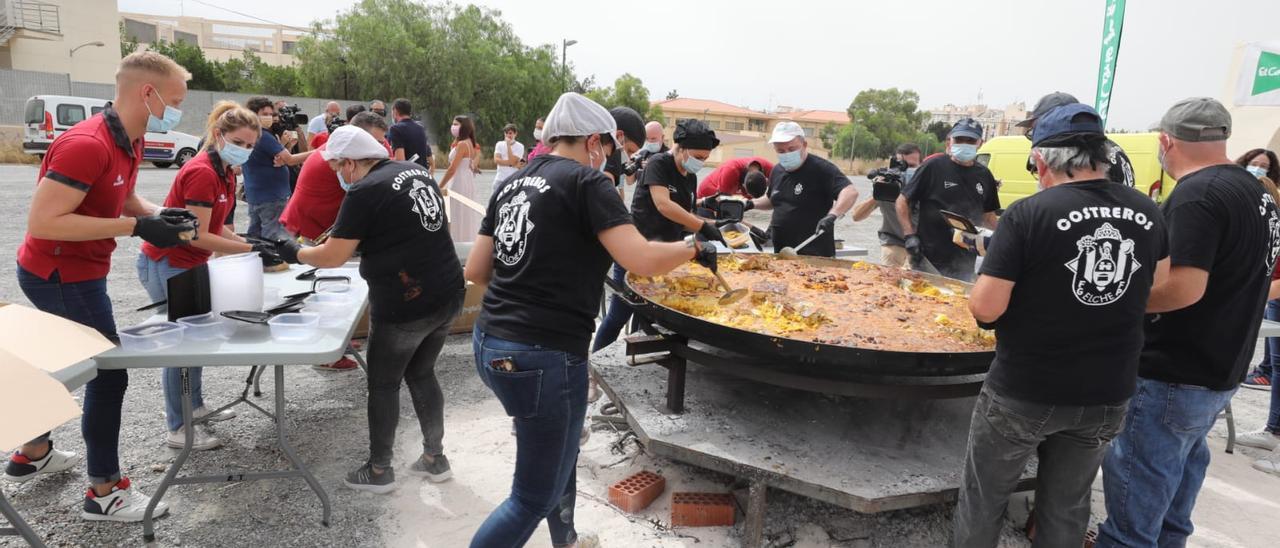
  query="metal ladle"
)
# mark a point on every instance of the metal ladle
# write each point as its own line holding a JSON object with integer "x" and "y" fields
{"x": 791, "y": 252}
{"x": 731, "y": 295}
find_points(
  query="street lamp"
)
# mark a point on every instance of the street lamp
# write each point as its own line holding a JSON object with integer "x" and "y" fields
{"x": 853, "y": 140}
{"x": 95, "y": 43}
{"x": 564, "y": 64}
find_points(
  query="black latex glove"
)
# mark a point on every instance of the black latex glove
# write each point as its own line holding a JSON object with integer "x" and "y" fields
{"x": 163, "y": 232}
{"x": 710, "y": 201}
{"x": 828, "y": 224}
{"x": 748, "y": 204}
{"x": 706, "y": 255}
{"x": 176, "y": 214}
{"x": 288, "y": 250}
{"x": 267, "y": 251}
{"x": 710, "y": 233}
{"x": 912, "y": 243}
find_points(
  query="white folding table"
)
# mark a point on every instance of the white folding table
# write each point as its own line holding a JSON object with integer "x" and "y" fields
{"x": 72, "y": 377}
{"x": 251, "y": 345}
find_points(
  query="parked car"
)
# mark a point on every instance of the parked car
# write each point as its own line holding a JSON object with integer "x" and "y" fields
{"x": 48, "y": 116}
{"x": 1006, "y": 157}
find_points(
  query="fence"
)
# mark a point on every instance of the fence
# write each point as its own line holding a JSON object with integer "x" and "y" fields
{"x": 16, "y": 86}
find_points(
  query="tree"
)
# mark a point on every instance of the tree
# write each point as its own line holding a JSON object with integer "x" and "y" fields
{"x": 128, "y": 42}
{"x": 446, "y": 59}
{"x": 828, "y": 135}
{"x": 865, "y": 144}
{"x": 657, "y": 115}
{"x": 673, "y": 94}
{"x": 627, "y": 91}
{"x": 939, "y": 130}
{"x": 891, "y": 115}
{"x": 205, "y": 74}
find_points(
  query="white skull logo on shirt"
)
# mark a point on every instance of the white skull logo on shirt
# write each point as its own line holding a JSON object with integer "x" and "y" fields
{"x": 511, "y": 234}
{"x": 799, "y": 188}
{"x": 426, "y": 203}
{"x": 1103, "y": 266}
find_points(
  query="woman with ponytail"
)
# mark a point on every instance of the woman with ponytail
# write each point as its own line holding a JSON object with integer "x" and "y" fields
{"x": 206, "y": 185}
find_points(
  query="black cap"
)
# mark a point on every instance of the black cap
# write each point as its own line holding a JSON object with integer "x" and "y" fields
{"x": 694, "y": 133}
{"x": 630, "y": 122}
{"x": 966, "y": 127}
{"x": 1046, "y": 104}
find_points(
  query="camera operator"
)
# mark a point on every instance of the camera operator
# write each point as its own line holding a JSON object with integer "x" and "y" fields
{"x": 287, "y": 129}
{"x": 631, "y": 135}
{"x": 266, "y": 174}
{"x": 887, "y": 184}
{"x": 320, "y": 124}
{"x": 336, "y": 123}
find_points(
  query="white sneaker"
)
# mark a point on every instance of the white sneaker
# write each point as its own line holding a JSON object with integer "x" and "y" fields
{"x": 202, "y": 411}
{"x": 22, "y": 469}
{"x": 1268, "y": 466}
{"x": 123, "y": 504}
{"x": 1261, "y": 439}
{"x": 203, "y": 441}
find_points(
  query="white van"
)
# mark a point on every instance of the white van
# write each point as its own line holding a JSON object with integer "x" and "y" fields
{"x": 48, "y": 116}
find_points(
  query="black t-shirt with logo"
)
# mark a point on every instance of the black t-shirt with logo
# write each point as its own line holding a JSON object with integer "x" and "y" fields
{"x": 1121, "y": 170}
{"x": 1222, "y": 221}
{"x": 940, "y": 184}
{"x": 661, "y": 170}
{"x": 800, "y": 199}
{"x": 1082, "y": 257}
{"x": 549, "y": 264}
{"x": 407, "y": 256}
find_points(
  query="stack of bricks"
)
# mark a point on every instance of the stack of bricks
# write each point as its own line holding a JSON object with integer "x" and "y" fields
{"x": 702, "y": 509}
{"x": 635, "y": 493}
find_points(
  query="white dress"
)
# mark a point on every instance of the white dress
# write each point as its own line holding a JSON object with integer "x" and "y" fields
{"x": 464, "y": 223}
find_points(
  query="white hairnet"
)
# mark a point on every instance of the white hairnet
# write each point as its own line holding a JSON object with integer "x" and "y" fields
{"x": 578, "y": 116}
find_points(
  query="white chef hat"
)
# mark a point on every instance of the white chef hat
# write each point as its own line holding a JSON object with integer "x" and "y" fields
{"x": 352, "y": 143}
{"x": 577, "y": 116}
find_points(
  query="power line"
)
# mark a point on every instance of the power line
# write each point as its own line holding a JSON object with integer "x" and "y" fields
{"x": 240, "y": 13}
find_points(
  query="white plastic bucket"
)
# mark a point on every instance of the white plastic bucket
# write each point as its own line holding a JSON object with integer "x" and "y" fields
{"x": 235, "y": 283}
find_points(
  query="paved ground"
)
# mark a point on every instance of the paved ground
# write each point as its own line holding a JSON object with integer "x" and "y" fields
{"x": 1237, "y": 506}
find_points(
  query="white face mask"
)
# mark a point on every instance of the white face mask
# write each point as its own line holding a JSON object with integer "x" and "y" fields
{"x": 537, "y": 133}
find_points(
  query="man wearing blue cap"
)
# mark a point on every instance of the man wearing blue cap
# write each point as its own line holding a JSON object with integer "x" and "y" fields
{"x": 1065, "y": 284}
{"x": 955, "y": 183}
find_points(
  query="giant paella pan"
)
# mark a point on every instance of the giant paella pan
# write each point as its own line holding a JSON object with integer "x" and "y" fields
{"x": 823, "y": 317}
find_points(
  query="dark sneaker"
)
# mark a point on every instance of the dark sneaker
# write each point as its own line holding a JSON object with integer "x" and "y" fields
{"x": 363, "y": 479}
{"x": 1257, "y": 381}
{"x": 21, "y": 468}
{"x": 123, "y": 504}
{"x": 436, "y": 470}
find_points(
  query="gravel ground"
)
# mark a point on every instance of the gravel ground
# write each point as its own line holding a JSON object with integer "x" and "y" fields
{"x": 329, "y": 432}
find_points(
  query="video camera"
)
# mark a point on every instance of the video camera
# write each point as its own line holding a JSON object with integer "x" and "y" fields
{"x": 886, "y": 183}
{"x": 336, "y": 123}
{"x": 636, "y": 162}
{"x": 291, "y": 117}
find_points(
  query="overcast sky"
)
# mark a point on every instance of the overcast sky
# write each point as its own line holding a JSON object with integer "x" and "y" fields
{"x": 818, "y": 54}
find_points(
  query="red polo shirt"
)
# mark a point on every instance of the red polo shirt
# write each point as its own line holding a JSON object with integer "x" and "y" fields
{"x": 202, "y": 182}
{"x": 727, "y": 179}
{"x": 315, "y": 201}
{"x": 96, "y": 157}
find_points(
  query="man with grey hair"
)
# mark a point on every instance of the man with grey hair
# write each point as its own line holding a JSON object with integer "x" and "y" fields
{"x": 320, "y": 124}
{"x": 1224, "y": 235}
{"x": 1083, "y": 255}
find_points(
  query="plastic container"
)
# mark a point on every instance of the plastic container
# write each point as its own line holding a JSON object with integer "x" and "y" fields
{"x": 206, "y": 327}
{"x": 334, "y": 309}
{"x": 271, "y": 298}
{"x": 235, "y": 282}
{"x": 151, "y": 337}
{"x": 295, "y": 326}
{"x": 333, "y": 287}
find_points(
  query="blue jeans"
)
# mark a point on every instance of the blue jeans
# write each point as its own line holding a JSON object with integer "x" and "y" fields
{"x": 1154, "y": 470}
{"x": 264, "y": 220}
{"x": 154, "y": 276}
{"x": 87, "y": 303}
{"x": 615, "y": 318}
{"x": 1270, "y": 349}
{"x": 546, "y": 395}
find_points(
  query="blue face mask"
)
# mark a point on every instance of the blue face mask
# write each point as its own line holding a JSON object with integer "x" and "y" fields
{"x": 234, "y": 154}
{"x": 653, "y": 148}
{"x": 789, "y": 160}
{"x": 964, "y": 152}
{"x": 1257, "y": 171}
{"x": 692, "y": 165}
{"x": 171, "y": 117}
{"x": 342, "y": 181}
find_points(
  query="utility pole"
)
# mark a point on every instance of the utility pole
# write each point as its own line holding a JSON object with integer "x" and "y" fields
{"x": 853, "y": 140}
{"x": 564, "y": 64}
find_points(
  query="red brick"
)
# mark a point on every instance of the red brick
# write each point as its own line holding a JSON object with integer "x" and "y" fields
{"x": 702, "y": 509}
{"x": 635, "y": 493}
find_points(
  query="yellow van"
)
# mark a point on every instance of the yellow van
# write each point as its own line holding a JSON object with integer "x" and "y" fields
{"x": 1006, "y": 157}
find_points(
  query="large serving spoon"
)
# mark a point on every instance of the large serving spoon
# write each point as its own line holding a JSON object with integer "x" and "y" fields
{"x": 793, "y": 252}
{"x": 731, "y": 295}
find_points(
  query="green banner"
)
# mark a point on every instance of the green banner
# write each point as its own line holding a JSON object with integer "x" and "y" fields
{"x": 1266, "y": 77}
{"x": 1112, "y": 28}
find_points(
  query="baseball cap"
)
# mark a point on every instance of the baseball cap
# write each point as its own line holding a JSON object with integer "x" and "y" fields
{"x": 630, "y": 122}
{"x": 1046, "y": 104}
{"x": 352, "y": 143}
{"x": 694, "y": 133}
{"x": 785, "y": 131}
{"x": 1197, "y": 119}
{"x": 577, "y": 116}
{"x": 1067, "y": 125}
{"x": 966, "y": 127}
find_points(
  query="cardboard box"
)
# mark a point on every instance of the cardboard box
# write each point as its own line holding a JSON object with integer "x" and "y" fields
{"x": 470, "y": 309}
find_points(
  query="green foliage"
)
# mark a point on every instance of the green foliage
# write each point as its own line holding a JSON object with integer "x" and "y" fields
{"x": 828, "y": 135}
{"x": 939, "y": 130}
{"x": 864, "y": 143}
{"x": 891, "y": 116}
{"x": 446, "y": 59}
{"x": 627, "y": 91}
{"x": 657, "y": 115}
{"x": 205, "y": 74}
{"x": 673, "y": 94}
{"x": 128, "y": 43}
{"x": 248, "y": 74}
